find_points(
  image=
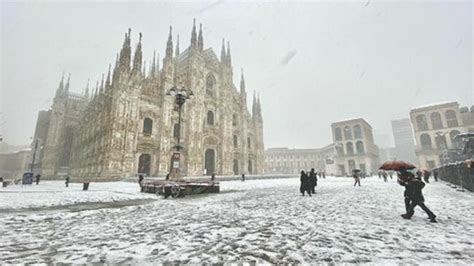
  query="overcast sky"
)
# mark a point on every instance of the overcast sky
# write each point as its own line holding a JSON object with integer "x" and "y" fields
{"x": 312, "y": 63}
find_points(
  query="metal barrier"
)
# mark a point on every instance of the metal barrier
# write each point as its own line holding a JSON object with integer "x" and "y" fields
{"x": 460, "y": 174}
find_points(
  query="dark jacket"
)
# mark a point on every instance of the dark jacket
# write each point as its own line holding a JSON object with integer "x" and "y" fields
{"x": 414, "y": 190}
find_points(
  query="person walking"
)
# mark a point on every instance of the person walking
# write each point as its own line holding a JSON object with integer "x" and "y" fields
{"x": 435, "y": 175}
{"x": 243, "y": 177}
{"x": 140, "y": 180}
{"x": 38, "y": 177}
{"x": 67, "y": 178}
{"x": 305, "y": 184}
{"x": 390, "y": 173}
{"x": 356, "y": 176}
{"x": 324, "y": 174}
{"x": 213, "y": 177}
{"x": 415, "y": 194}
{"x": 426, "y": 176}
{"x": 403, "y": 177}
{"x": 384, "y": 174}
{"x": 314, "y": 180}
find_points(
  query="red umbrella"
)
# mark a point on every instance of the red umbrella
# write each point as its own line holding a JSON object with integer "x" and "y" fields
{"x": 396, "y": 165}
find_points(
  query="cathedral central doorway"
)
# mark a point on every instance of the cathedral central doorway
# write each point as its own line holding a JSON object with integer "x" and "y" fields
{"x": 144, "y": 164}
{"x": 210, "y": 161}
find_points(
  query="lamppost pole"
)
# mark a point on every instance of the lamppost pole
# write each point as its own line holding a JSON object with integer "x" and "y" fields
{"x": 181, "y": 95}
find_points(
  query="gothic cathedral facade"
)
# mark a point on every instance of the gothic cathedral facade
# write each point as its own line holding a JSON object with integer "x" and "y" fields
{"x": 128, "y": 125}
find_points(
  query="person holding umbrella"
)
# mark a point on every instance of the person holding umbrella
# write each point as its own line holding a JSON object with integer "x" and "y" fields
{"x": 414, "y": 186}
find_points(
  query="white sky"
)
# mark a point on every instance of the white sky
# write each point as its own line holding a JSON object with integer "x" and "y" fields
{"x": 312, "y": 63}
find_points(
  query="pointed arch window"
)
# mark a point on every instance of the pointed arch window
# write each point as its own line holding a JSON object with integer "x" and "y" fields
{"x": 210, "y": 85}
{"x": 147, "y": 127}
{"x": 210, "y": 118}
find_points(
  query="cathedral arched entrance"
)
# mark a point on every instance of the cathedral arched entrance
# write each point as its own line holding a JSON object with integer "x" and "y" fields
{"x": 236, "y": 167}
{"x": 210, "y": 161}
{"x": 144, "y": 164}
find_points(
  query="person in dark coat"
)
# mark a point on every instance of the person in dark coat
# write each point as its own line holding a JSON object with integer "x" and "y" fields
{"x": 324, "y": 174}
{"x": 38, "y": 177}
{"x": 403, "y": 179}
{"x": 167, "y": 177}
{"x": 356, "y": 177}
{"x": 415, "y": 194}
{"x": 384, "y": 174}
{"x": 305, "y": 184}
{"x": 418, "y": 174}
{"x": 213, "y": 177}
{"x": 67, "y": 180}
{"x": 140, "y": 180}
{"x": 243, "y": 177}
{"x": 435, "y": 175}
{"x": 380, "y": 174}
{"x": 390, "y": 173}
{"x": 313, "y": 180}
{"x": 426, "y": 176}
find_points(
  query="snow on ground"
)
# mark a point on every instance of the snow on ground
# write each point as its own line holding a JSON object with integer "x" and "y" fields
{"x": 253, "y": 221}
{"x": 54, "y": 193}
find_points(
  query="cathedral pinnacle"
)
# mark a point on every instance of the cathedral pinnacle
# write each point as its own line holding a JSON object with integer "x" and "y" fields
{"x": 177, "y": 45}
{"x": 67, "y": 83}
{"x": 107, "y": 82}
{"x": 193, "y": 35}
{"x": 169, "y": 44}
{"x": 223, "y": 56}
{"x": 200, "y": 39}
{"x": 137, "y": 58}
{"x": 86, "y": 95}
{"x": 242, "y": 81}
{"x": 229, "y": 59}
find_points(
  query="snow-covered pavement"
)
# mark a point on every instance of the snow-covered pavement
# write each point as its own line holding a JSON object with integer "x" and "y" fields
{"x": 257, "y": 220}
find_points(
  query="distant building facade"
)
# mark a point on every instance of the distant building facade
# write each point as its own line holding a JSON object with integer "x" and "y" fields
{"x": 435, "y": 129}
{"x": 404, "y": 140}
{"x": 129, "y": 124}
{"x": 14, "y": 164}
{"x": 292, "y": 161}
{"x": 355, "y": 148}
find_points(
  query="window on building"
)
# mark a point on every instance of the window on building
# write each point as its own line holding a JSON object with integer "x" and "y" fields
{"x": 347, "y": 133}
{"x": 421, "y": 122}
{"x": 451, "y": 118}
{"x": 436, "y": 120}
{"x": 357, "y": 132}
{"x": 236, "y": 141}
{"x": 360, "y": 147}
{"x": 234, "y": 120}
{"x": 441, "y": 141}
{"x": 210, "y": 85}
{"x": 425, "y": 141}
{"x": 340, "y": 150}
{"x": 147, "y": 126}
{"x": 210, "y": 118}
{"x": 338, "y": 133}
{"x": 457, "y": 143}
{"x": 350, "y": 148}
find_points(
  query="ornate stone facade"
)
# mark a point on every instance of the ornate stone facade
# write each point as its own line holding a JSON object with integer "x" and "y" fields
{"x": 355, "y": 148}
{"x": 129, "y": 124}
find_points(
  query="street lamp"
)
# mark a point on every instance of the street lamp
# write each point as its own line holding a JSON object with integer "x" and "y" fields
{"x": 181, "y": 95}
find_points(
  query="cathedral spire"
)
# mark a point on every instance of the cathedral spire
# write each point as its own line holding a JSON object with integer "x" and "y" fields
{"x": 242, "y": 81}
{"x": 200, "y": 39}
{"x": 177, "y": 46}
{"x": 193, "y": 35}
{"x": 153, "y": 69}
{"x": 229, "y": 59}
{"x": 223, "y": 56}
{"x": 67, "y": 83}
{"x": 137, "y": 59}
{"x": 101, "y": 88}
{"x": 60, "y": 89}
{"x": 169, "y": 44}
{"x": 86, "y": 95}
{"x": 125, "y": 53}
{"x": 144, "y": 68}
{"x": 254, "y": 105}
{"x": 107, "y": 82}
